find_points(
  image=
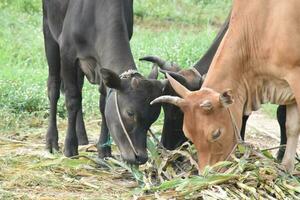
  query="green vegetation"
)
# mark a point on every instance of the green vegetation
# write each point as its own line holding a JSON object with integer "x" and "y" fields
{"x": 183, "y": 29}
{"x": 270, "y": 110}
{"x": 196, "y": 12}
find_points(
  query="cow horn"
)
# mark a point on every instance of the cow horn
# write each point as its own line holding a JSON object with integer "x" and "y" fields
{"x": 178, "y": 87}
{"x": 162, "y": 64}
{"x": 168, "y": 99}
{"x": 154, "y": 73}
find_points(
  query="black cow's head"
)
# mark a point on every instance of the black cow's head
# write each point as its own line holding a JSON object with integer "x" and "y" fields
{"x": 172, "y": 134}
{"x": 128, "y": 102}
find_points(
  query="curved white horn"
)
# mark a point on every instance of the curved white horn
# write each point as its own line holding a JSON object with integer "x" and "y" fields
{"x": 168, "y": 99}
{"x": 179, "y": 89}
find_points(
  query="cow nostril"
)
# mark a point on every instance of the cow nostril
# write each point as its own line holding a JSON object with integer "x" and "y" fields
{"x": 141, "y": 159}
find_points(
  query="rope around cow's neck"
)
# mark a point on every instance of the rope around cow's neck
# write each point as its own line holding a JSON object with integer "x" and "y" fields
{"x": 236, "y": 133}
{"x": 122, "y": 124}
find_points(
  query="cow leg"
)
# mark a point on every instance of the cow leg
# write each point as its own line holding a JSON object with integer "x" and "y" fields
{"x": 243, "y": 129}
{"x": 53, "y": 87}
{"x": 172, "y": 134}
{"x": 292, "y": 130}
{"x": 103, "y": 145}
{"x": 73, "y": 103}
{"x": 80, "y": 127}
{"x": 281, "y": 118}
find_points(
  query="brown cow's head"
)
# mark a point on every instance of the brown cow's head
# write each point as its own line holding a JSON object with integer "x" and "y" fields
{"x": 207, "y": 121}
{"x": 172, "y": 135}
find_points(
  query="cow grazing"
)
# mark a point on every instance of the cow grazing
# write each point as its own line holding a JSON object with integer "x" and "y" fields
{"x": 172, "y": 134}
{"x": 91, "y": 38}
{"x": 256, "y": 63}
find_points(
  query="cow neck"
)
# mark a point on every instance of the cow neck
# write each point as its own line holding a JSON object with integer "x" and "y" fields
{"x": 224, "y": 73}
{"x": 115, "y": 52}
{"x": 120, "y": 62}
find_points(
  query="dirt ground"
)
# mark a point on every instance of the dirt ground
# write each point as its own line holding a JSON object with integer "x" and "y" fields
{"x": 263, "y": 131}
{"x": 28, "y": 172}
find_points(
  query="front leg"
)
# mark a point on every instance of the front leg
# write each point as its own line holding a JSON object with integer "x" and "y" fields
{"x": 172, "y": 135}
{"x": 73, "y": 103}
{"x": 53, "y": 86}
{"x": 292, "y": 130}
{"x": 243, "y": 129}
{"x": 104, "y": 142}
{"x": 281, "y": 118}
{"x": 80, "y": 127}
{"x": 292, "y": 120}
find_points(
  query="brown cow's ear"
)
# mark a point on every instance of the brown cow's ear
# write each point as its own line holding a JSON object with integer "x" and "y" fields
{"x": 179, "y": 89}
{"x": 226, "y": 98}
{"x": 110, "y": 79}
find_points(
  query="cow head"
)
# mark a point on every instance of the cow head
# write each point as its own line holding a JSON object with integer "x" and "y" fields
{"x": 172, "y": 135}
{"x": 128, "y": 102}
{"x": 207, "y": 121}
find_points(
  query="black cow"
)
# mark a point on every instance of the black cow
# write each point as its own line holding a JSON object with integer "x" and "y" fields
{"x": 172, "y": 134}
{"x": 91, "y": 38}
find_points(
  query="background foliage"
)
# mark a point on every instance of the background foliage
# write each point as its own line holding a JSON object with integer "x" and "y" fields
{"x": 179, "y": 30}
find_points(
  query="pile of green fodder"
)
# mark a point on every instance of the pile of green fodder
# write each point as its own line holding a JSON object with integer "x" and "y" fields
{"x": 251, "y": 174}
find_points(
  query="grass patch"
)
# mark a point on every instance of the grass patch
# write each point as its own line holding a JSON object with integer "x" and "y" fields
{"x": 23, "y": 66}
{"x": 197, "y": 12}
{"x": 270, "y": 110}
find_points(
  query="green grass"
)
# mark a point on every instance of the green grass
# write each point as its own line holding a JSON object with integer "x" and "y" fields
{"x": 196, "y": 12}
{"x": 189, "y": 31}
{"x": 270, "y": 110}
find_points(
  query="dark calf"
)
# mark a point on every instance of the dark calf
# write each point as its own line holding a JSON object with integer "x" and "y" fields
{"x": 128, "y": 103}
{"x": 91, "y": 38}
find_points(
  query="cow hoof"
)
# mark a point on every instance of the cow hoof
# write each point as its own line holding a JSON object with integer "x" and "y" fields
{"x": 52, "y": 147}
{"x": 52, "y": 141}
{"x": 104, "y": 152}
{"x": 71, "y": 148}
{"x": 288, "y": 166}
{"x": 70, "y": 152}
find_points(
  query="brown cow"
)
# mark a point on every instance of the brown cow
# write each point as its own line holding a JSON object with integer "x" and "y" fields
{"x": 257, "y": 62}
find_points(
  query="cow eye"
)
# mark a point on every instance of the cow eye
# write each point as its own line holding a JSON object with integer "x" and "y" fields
{"x": 130, "y": 113}
{"x": 216, "y": 134}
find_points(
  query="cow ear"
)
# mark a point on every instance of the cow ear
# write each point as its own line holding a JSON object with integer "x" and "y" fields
{"x": 135, "y": 82}
{"x": 88, "y": 66}
{"x": 157, "y": 85}
{"x": 226, "y": 98}
{"x": 154, "y": 72}
{"x": 110, "y": 79}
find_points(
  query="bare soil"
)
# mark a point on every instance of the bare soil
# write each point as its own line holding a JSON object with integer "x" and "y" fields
{"x": 263, "y": 131}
